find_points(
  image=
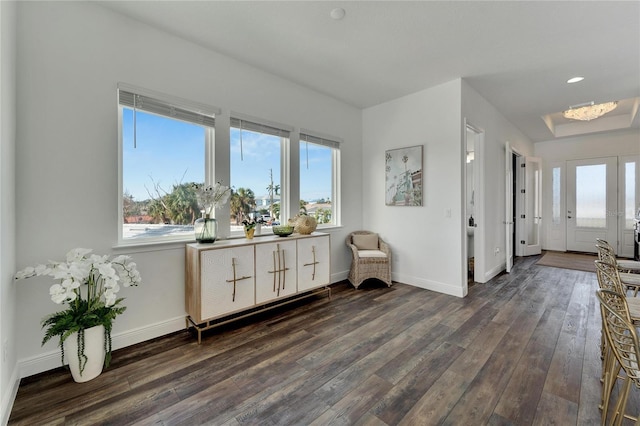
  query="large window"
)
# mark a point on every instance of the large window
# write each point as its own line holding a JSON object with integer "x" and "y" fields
{"x": 163, "y": 151}
{"x": 257, "y": 152}
{"x": 319, "y": 158}
{"x": 167, "y": 145}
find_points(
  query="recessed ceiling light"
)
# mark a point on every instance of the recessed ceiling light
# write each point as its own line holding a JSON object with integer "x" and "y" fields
{"x": 337, "y": 13}
{"x": 575, "y": 79}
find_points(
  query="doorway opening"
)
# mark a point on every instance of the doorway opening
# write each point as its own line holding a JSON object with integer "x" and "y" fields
{"x": 473, "y": 205}
{"x": 523, "y": 205}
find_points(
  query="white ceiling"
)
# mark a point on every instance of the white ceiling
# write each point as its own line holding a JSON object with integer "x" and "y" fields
{"x": 517, "y": 54}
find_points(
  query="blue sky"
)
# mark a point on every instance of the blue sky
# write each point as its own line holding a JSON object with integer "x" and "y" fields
{"x": 169, "y": 152}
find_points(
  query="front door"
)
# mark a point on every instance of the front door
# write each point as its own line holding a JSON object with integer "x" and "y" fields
{"x": 591, "y": 203}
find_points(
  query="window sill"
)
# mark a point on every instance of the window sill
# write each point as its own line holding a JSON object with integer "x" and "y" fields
{"x": 160, "y": 245}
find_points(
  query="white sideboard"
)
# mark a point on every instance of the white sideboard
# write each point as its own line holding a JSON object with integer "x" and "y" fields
{"x": 229, "y": 278}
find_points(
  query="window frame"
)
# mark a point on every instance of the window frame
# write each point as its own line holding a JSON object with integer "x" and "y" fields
{"x": 207, "y": 161}
{"x": 244, "y": 122}
{"x": 334, "y": 144}
{"x": 217, "y": 165}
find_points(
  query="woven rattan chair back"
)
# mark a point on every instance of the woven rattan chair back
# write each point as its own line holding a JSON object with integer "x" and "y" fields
{"x": 608, "y": 277}
{"x": 606, "y": 253}
{"x": 622, "y": 339}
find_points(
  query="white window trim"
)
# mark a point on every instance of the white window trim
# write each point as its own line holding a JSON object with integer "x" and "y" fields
{"x": 334, "y": 143}
{"x": 208, "y": 160}
{"x": 217, "y": 167}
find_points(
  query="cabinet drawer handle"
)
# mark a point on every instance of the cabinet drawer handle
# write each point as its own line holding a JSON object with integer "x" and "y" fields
{"x": 279, "y": 267}
{"x": 235, "y": 278}
{"x": 314, "y": 263}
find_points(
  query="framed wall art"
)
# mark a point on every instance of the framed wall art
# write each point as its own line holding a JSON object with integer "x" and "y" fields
{"x": 403, "y": 176}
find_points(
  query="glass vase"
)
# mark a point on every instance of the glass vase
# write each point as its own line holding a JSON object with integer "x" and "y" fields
{"x": 206, "y": 229}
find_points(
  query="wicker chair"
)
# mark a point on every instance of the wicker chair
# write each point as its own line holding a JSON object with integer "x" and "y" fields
{"x": 622, "y": 339}
{"x": 624, "y": 265}
{"x": 371, "y": 258}
{"x": 630, "y": 280}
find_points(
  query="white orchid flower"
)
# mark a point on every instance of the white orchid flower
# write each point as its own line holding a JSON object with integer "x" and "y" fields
{"x": 79, "y": 271}
{"x": 70, "y": 284}
{"x": 42, "y": 270}
{"x": 114, "y": 287}
{"x": 27, "y": 272}
{"x": 61, "y": 272}
{"x": 109, "y": 298}
{"x": 60, "y": 295}
{"x": 77, "y": 254}
{"x": 121, "y": 259}
{"x": 106, "y": 270}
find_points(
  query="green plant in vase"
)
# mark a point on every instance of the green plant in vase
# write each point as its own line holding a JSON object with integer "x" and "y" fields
{"x": 88, "y": 284}
{"x": 249, "y": 227}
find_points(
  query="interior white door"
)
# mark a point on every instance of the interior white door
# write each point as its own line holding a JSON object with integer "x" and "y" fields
{"x": 508, "y": 213}
{"x": 628, "y": 202}
{"x": 591, "y": 203}
{"x": 531, "y": 197}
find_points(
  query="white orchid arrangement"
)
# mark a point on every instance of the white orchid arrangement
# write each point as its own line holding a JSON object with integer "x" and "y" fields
{"x": 89, "y": 284}
{"x": 212, "y": 196}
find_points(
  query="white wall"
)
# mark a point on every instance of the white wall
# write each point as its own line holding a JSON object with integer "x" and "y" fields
{"x": 70, "y": 57}
{"x": 426, "y": 244}
{"x": 491, "y": 159}
{"x": 555, "y": 153}
{"x": 8, "y": 370}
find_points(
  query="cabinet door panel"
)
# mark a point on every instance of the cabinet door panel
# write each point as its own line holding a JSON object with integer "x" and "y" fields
{"x": 275, "y": 270}
{"x": 314, "y": 268}
{"x": 227, "y": 280}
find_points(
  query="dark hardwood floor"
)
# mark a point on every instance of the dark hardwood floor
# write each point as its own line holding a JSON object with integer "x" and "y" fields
{"x": 521, "y": 349}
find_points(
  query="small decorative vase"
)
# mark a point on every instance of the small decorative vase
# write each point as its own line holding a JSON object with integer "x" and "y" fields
{"x": 249, "y": 233}
{"x": 206, "y": 229}
{"x": 92, "y": 356}
{"x": 305, "y": 225}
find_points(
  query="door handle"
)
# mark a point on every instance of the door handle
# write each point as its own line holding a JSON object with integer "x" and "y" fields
{"x": 570, "y": 217}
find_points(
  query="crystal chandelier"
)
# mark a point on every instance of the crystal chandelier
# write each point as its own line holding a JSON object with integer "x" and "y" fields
{"x": 589, "y": 111}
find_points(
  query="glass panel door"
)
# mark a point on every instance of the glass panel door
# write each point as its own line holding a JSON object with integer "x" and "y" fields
{"x": 591, "y": 203}
{"x": 533, "y": 207}
{"x": 629, "y": 202}
{"x": 591, "y": 196}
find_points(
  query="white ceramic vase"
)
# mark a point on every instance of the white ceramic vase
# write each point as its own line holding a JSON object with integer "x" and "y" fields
{"x": 93, "y": 350}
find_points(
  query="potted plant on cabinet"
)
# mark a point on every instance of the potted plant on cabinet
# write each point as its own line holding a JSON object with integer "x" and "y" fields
{"x": 88, "y": 284}
{"x": 249, "y": 226}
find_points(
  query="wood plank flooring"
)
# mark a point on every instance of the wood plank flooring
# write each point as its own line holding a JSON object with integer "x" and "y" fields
{"x": 521, "y": 349}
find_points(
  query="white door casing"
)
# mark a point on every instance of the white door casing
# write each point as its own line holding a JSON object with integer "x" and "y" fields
{"x": 508, "y": 196}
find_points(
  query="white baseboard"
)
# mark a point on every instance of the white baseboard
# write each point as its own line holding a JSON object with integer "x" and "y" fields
{"x": 494, "y": 272}
{"x": 9, "y": 397}
{"x": 445, "y": 288}
{"x": 131, "y": 337}
{"x": 50, "y": 360}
